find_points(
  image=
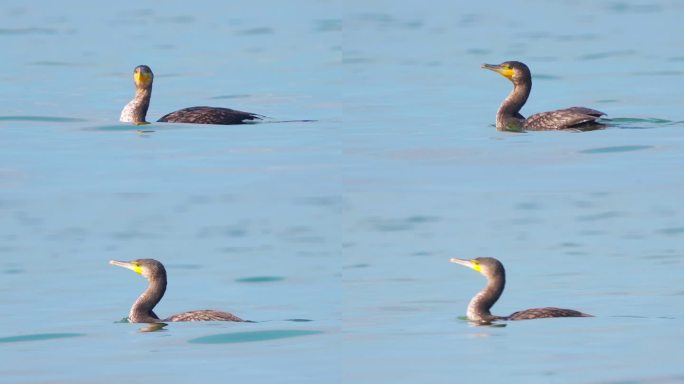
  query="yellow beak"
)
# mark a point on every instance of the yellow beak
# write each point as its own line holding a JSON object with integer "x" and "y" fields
{"x": 505, "y": 72}
{"x": 465, "y": 263}
{"x": 128, "y": 265}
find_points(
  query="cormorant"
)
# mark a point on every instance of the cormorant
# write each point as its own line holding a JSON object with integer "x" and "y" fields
{"x": 481, "y": 303}
{"x": 142, "y": 309}
{"x": 508, "y": 118}
{"x": 136, "y": 110}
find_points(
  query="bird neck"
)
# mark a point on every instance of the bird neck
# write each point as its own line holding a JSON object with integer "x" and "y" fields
{"x": 508, "y": 116}
{"x": 142, "y": 310}
{"x": 136, "y": 110}
{"x": 479, "y": 306}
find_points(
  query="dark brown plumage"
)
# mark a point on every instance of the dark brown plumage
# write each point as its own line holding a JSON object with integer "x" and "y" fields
{"x": 136, "y": 110}
{"x": 480, "y": 305}
{"x": 204, "y": 315}
{"x": 209, "y": 115}
{"x": 142, "y": 309}
{"x": 508, "y": 116}
{"x": 540, "y": 313}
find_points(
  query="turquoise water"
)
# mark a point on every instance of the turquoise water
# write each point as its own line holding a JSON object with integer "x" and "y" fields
{"x": 334, "y": 236}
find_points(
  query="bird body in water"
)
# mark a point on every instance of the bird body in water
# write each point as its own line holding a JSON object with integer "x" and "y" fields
{"x": 136, "y": 110}
{"x": 508, "y": 118}
{"x": 480, "y": 305}
{"x": 142, "y": 309}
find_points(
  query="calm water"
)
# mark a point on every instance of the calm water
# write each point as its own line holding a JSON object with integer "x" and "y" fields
{"x": 334, "y": 236}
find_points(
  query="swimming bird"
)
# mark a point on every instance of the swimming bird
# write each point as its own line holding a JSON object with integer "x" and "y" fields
{"x": 142, "y": 309}
{"x": 508, "y": 118}
{"x": 481, "y": 303}
{"x": 136, "y": 110}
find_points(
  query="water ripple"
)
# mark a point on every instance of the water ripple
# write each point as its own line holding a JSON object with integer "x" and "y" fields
{"x": 256, "y": 31}
{"x": 51, "y": 119}
{"x": 259, "y": 279}
{"x": 606, "y": 55}
{"x": 617, "y": 148}
{"x": 38, "y": 337}
{"x": 328, "y": 25}
{"x": 249, "y": 337}
{"x": 27, "y": 31}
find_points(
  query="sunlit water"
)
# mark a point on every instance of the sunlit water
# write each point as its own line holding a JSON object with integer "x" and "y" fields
{"x": 334, "y": 236}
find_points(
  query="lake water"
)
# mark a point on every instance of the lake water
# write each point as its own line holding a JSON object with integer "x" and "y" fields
{"x": 334, "y": 236}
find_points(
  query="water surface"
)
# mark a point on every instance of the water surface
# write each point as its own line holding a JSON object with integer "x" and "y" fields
{"x": 334, "y": 236}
